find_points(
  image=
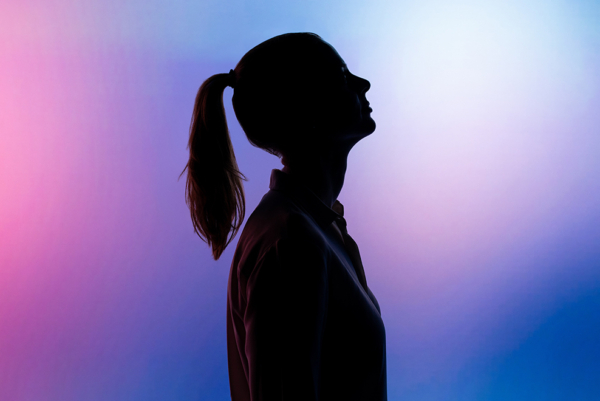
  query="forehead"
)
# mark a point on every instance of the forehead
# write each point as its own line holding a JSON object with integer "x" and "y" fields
{"x": 331, "y": 56}
{"x": 326, "y": 60}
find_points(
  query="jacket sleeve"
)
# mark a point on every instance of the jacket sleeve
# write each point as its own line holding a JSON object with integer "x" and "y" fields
{"x": 284, "y": 319}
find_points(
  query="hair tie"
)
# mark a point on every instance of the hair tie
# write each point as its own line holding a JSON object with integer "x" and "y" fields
{"x": 231, "y": 79}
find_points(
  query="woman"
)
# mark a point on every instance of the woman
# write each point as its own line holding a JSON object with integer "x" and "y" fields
{"x": 302, "y": 323}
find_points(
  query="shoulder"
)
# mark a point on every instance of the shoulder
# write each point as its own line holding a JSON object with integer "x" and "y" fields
{"x": 277, "y": 218}
{"x": 278, "y": 228}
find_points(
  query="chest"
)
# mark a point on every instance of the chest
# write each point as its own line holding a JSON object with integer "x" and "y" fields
{"x": 353, "y": 311}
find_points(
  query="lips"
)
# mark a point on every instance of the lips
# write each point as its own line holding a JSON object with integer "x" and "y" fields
{"x": 366, "y": 108}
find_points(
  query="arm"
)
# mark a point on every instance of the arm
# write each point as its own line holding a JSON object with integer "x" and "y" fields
{"x": 284, "y": 320}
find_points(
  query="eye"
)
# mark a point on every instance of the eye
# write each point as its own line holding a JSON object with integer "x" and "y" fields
{"x": 345, "y": 75}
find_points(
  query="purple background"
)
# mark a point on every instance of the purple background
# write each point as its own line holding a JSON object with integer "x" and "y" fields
{"x": 476, "y": 203}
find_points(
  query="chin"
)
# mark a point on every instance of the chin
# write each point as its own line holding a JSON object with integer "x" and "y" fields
{"x": 369, "y": 125}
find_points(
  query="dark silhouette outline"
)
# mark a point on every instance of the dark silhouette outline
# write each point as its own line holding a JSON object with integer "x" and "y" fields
{"x": 302, "y": 323}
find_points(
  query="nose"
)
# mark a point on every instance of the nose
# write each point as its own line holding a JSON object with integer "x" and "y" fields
{"x": 361, "y": 84}
{"x": 366, "y": 84}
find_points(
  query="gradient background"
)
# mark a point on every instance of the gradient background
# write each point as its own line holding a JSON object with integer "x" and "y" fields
{"x": 476, "y": 203}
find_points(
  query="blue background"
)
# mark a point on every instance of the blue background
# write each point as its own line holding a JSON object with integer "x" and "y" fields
{"x": 475, "y": 203}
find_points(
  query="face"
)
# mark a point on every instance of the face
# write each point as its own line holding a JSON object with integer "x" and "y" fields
{"x": 348, "y": 115}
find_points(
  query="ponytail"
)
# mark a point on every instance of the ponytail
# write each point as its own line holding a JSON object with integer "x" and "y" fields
{"x": 213, "y": 191}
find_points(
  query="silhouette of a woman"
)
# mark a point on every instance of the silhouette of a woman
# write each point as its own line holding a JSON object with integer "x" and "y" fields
{"x": 302, "y": 323}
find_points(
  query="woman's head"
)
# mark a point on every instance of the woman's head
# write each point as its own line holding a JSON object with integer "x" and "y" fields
{"x": 294, "y": 91}
{"x": 293, "y": 95}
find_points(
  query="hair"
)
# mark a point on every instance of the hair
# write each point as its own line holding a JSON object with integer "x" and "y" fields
{"x": 272, "y": 84}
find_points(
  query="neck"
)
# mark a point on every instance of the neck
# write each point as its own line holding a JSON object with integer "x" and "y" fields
{"x": 322, "y": 174}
